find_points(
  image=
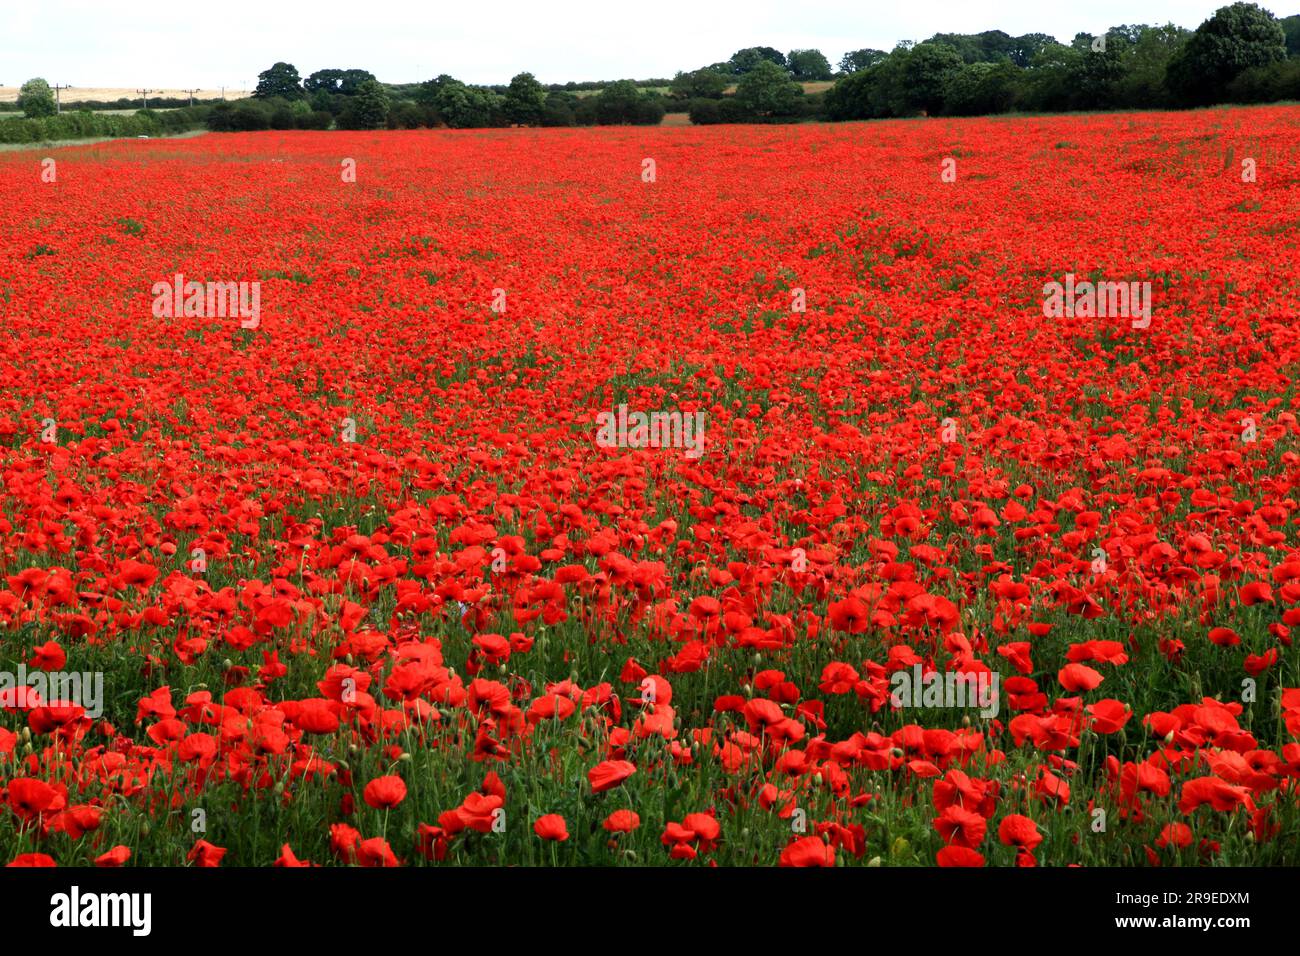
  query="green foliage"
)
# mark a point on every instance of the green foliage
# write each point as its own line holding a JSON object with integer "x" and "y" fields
{"x": 280, "y": 80}
{"x": 980, "y": 88}
{"x": 1235, "y": 39}
{"x": 463, "y": 107}
{"x": 83, "y": 124}
{"x": 767, "y": 90}
{"x": 706, "y": 83}
{"x": 622, "y": 102}
{"x": 36, "y": 99}
{"x": 342, "y": 82}
{"x": 525, "y": 100}
{"x": 808, "y": 65}
{"x": 926, "y": 71}
{"x": 1291, "y": 29}
{"x": 748, "y": 59}
{"x": 857, "y": 60}
{"x": 368, "y": 109}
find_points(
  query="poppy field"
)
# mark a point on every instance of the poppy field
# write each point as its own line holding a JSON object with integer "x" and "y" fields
{"x": 642, "y": 496}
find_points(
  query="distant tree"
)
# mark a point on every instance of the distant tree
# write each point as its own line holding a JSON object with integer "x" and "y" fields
{"x": 248, "y": 116}
{"x": 1265, "y": 84}
{"x": 370, "y": 106}
{"x": 1291, "y": 27}
{"x": 327, "y": 80}
{"x": 351, "y": 81}
{"x": 1146, "y": 60}
{"x": 465, "y": 107}
{"x": 36, "y": 99}
{"x": 427, "y": 92}
{"x": 705, "y": 112}
{"x": 617, "y": 103}
{"x": 743, "y": 61}
{"x": 1025, "y": 48}
{"x": 925, "y": 72}
{"x": 699, "y": 84}
{"x": 560, "y": 110}
{"x": 525, "y": 100}
{"x": 856, "y": 60}
{"x": 280, "y": 80}
{"x": 1048, "y": 84}
{"x": 980, "y": 89}
{"x": 1099, "y": 69}
{"x": 767, "y": 90}
{"x": 1234, "y": 39}
{"x": 808, "y": 65}
{"x": 873, "y": 93}
{"x": 343, "y": 82}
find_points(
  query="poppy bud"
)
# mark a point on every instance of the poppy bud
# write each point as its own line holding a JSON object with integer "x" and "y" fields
{"x": 404, "y": 757}
{"x": 227, "y": 664}
{"x": 874, "y": 861}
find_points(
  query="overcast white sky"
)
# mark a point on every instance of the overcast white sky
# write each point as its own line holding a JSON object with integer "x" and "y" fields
{"x": 169, "y": 43}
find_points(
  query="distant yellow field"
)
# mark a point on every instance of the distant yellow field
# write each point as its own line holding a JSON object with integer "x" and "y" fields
{"x": 9, "y": 94}
{"x": 812, "y": 86}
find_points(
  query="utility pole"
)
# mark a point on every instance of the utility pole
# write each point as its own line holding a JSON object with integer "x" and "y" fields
{"x": 144, "y": 97}
{"x": 58, "y": 107}
{"x": 191, "y": 92}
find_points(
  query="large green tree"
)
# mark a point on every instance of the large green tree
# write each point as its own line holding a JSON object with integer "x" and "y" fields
{"x": 743, "y": 61}
{"x": 525, "y": 100}
{"x": 856, "y": 60}
{"x": 768, "y": 90}
{"x": 808, "y": 65}
{"x": 280, "y": 80}
{"x": 1235, "y": 39}
{"x": 371, "y": 104}
{"x": 36, "y": 99}
{"x": 706, "y": 83}
{"x": 925, "y": 73}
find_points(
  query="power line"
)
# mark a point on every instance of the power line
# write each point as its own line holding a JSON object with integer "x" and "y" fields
{"x": 58, "y": 107}
{"x": 144, "y": 96}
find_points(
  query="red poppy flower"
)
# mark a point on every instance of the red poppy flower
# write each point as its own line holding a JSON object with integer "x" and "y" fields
{"x": 808, "y": 851}
{"x": 205, "y": 854}
{"x": 622, "y": 821}
{"x": 609, "y": 774}
{"x": 48, "y": 657}
{"x": 551, "y": 827}
{"x": 384, "y": 793}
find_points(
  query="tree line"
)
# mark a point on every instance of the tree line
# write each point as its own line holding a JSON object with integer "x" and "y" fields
{"x": 1241, "y": 54}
